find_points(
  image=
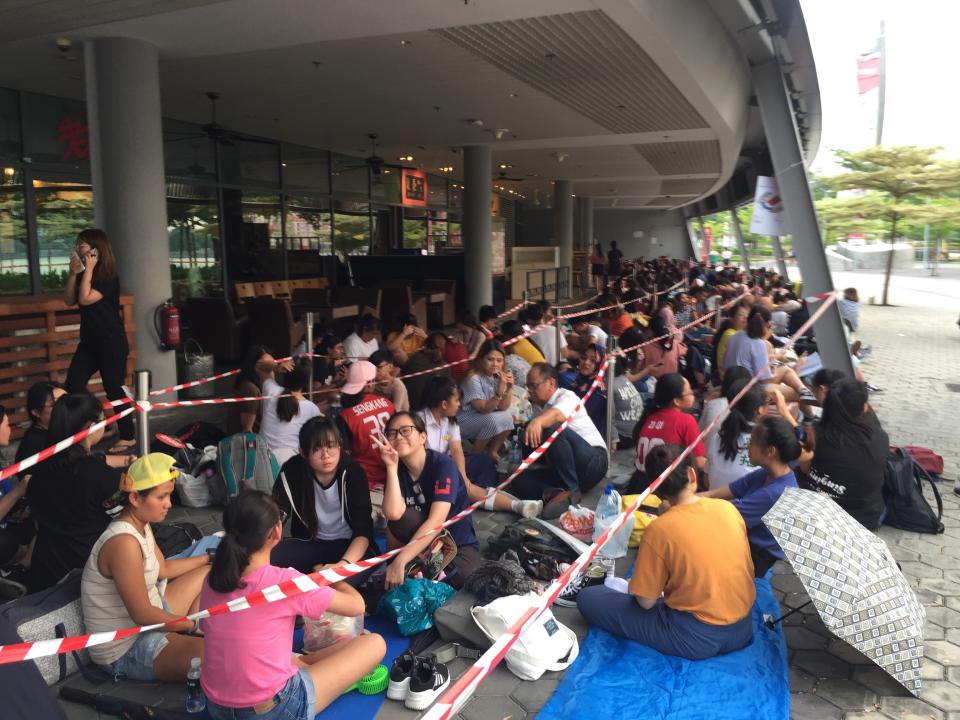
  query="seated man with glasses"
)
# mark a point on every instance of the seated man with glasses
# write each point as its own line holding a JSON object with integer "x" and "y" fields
{"x": 577, "y": 459}
{"x": 324, "y": 492}
{"x": 423, "y": 490}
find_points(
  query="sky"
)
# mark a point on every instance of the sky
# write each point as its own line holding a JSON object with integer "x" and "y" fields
{"x": 922, "y": 103}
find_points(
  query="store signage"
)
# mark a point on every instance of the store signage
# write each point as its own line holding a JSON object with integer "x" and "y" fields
{"x": 72, "y": 131}
{"x": 414, "y": 188}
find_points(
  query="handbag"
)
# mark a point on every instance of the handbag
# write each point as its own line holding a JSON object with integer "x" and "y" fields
{"x": 548, "y": 644}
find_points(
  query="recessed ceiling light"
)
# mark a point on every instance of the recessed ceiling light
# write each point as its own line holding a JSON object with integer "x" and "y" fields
{"x": 386, "y": 172}
{"x": 513, "y": 95}
{"x": 406, "y": 42}
{"x": 505, "y": 166}
{"x": 406, "y": 158}
{"x": 476, "y": 122}
{"x": 283, "y": 164}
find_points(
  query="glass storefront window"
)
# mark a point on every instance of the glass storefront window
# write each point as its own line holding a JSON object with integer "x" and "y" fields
{"x": 351, "y": 228}
{"x": 437, "y": 191}
{"x": 193, "y": 233}
{"x": 309, "y": 234}
{"x": 350, "y": 177}
{"x": 188, "y": 155}
{"x": 10, "y": 124}
{"x": 454, "y": 237}
{"x": 64, "y": 208}
{"x": 250, "y": 164}
{"x": 385, "y": 187}
{"x": 415, "y": 228}
{"x": 56, "y": 132}
{"x": 14, "y": 261}
{"x": 306, "y": 169}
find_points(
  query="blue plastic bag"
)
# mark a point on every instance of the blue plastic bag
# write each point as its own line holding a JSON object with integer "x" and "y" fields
{"x": 412, "y": 604}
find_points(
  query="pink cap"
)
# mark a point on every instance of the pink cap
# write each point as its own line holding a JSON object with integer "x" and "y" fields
{"x": 358, "y": 375}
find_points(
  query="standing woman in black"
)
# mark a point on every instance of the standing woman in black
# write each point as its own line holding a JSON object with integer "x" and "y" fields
{"x": 94, "y": 286}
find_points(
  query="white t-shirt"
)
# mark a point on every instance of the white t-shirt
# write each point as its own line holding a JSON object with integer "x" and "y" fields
{"x": 440, "y": 435}
{"x": 711, "y": 409}
{"x": 599, "y": 334}
{"x": 328, "y": 502}
{"x": 546, "y": 340}
{"x": 354, "y": 347}
{"x": 565, "y": 401}
{"x": 282, "y": 435}
{"x": 723, "y": 471}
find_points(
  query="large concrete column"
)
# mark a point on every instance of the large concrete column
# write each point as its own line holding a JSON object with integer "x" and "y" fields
{"x": 585, "y": 209}
{"x": 563, "y": 224}
{"x": 738, "y": 233}
{"x": 778, "y": 123}
{"x": 778, "y": 254}
{"x": 126, "y": 162}
{"x": 477, "y": 253}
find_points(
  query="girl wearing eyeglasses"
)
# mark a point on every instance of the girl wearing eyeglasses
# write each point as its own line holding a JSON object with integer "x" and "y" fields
{"x": 325, "y": 494}
{"x": 422, "y": 490}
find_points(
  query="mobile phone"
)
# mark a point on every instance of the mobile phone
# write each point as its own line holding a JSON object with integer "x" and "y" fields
{"x": 83, "y": 265}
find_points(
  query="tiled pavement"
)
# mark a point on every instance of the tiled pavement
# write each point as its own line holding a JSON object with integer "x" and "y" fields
{"x": 916, "y": 354}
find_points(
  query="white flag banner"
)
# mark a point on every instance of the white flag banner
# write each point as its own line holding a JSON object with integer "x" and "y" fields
{"x": 768, "y": 218}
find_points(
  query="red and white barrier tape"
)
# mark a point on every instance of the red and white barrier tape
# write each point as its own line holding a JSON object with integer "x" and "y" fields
{"x": 578, "y": 303}
{"x": 454, "y": 699}
{"x": 60, "y": 446}
{"x": 511, "y": 311}
{"x": 297, "y": 586}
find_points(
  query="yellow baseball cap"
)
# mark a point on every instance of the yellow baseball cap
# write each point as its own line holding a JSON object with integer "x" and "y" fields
{"x": 148, "y": 472}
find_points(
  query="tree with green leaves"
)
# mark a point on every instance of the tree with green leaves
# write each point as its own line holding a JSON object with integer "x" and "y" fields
{"x": 896, "y": 181}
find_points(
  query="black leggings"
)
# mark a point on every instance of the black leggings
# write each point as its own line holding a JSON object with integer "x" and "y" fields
{"x": 110, "y": 359}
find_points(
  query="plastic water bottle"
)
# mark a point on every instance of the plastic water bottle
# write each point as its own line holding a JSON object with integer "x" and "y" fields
{"x": 607, "y": 509}
{"x": 196, "y": 700}
{"x": 516, "y": 455}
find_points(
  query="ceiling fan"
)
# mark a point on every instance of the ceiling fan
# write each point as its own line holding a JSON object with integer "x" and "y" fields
{"x": 215, "y": 131}
{"x": 503, "y": 177}
{"x": 375, "y": 162}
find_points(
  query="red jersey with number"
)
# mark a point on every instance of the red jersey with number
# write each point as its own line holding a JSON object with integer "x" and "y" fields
{"x": 668, "y": 427}
{"x": 369, "y": 416}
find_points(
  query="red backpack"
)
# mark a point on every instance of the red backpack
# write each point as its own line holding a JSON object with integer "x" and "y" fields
{"x": 926, "y": 458}
{"x": 453, "y": 351}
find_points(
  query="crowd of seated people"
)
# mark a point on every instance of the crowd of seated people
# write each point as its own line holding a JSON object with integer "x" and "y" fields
{"x": 356, "y": 438}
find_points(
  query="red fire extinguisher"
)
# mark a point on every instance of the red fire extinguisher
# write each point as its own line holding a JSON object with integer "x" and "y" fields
{"x": 166, "y": 320}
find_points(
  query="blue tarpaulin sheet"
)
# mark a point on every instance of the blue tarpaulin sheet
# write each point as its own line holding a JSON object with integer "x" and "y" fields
{"x": 615, "y": 678}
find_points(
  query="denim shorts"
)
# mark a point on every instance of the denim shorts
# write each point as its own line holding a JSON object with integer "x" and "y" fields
{"x": 296, "y": 700}
{"x": 137, "y": 662}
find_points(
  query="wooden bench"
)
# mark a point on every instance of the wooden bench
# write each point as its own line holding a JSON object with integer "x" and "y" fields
{"x": 38, "y": 336}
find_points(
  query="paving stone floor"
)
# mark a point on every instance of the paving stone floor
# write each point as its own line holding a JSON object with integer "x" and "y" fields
{"x": 916, "y": 355}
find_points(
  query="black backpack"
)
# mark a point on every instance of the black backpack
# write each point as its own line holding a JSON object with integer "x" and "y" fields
{"x": 907, "y": 508}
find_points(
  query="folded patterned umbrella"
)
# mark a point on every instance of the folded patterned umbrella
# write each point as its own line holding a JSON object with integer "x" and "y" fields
{"x": 852, "y": 580}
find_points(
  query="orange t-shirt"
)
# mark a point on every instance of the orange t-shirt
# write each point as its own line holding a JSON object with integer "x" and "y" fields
{"x": 620, "y": 324}
{"x": 698, "y": 556}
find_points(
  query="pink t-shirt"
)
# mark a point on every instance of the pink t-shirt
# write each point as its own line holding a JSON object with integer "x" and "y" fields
{"x": 247, "y": 655}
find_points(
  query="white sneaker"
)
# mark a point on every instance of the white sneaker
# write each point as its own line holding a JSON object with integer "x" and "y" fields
{"x": 428, "y": 680}
{"x": 400, "y": 674}
{"x": 531, "y": 508}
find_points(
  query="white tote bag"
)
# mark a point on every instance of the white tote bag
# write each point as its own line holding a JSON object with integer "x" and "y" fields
{"x": 546, "y": 645}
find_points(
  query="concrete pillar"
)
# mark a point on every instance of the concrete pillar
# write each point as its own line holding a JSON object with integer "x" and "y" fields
{"x": 585, "y": 235}
{"x": 477, "y": 252}
{"x": 126, "y": 161}
{"x": 778, "y": 254}
{"x": 563, "y": 224}
{"x": 738, "y": 233}
{"x": 781, "y": 132}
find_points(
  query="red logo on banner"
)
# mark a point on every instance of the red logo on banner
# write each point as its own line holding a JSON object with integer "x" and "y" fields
{"x": 73, "y": 133}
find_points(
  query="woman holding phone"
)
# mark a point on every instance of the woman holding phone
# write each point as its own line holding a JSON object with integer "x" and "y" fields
{"x": 94, "y": 286}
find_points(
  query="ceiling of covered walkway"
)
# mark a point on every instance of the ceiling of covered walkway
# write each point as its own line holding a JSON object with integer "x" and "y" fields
{"x": 641, "y": 103}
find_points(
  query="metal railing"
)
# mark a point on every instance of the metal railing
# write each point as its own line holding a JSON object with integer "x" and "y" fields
{"x": 555, "y": 280}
